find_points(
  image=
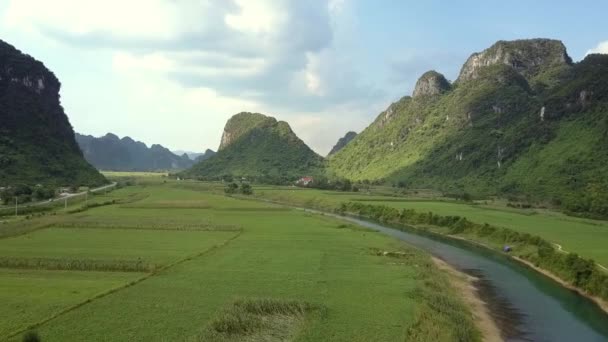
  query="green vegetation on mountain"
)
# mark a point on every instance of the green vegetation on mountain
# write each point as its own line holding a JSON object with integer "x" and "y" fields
{"x": 114, "y": 154}
{"x": 260, "y": 148}
{"x": 521, "y": 121}
{"x": 37, "y": 144}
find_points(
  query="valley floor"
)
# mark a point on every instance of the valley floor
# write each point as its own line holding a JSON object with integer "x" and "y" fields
{"x": 585, "y": 237}
{"x": 165, "y": 262}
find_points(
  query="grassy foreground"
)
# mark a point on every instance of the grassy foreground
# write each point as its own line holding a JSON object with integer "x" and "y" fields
{"x": 217, "y": 269}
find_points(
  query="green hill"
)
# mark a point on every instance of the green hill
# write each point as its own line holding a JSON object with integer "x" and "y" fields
{"x": 37, "y": 142}
{"x": 521, "y": 120}
{"x": 259, "y": 147}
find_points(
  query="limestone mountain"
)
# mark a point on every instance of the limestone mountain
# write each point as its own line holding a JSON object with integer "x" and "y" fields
{"x": 37, "y": 142}
{"x": 521, "y": 120}
{"x": 114, "y": 154}
{"x": 342, "y": 142}
{"x": 259, "y": 147}
{"x": 431, "y": 83}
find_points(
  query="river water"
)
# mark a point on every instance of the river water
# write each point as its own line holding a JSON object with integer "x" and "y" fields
{"x": 526, "y": 305}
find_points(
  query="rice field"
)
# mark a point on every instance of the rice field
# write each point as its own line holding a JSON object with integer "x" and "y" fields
{"x": 163, "y": 262}
{"x": 585, "y": 237}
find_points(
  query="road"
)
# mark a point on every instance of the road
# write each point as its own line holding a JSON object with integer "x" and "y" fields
{"x": 101, "y": 188}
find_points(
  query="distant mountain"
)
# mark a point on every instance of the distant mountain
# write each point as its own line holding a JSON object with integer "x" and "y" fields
{"x": 342, "y": 142}
{"x": 37, "y": 142}
{"x": 521, "y": 120}
{"x": 204, "y": 156}
{"x": 114, "y": 154}
{"x": 259, "y": 147}
{"x": 196, "y": 156}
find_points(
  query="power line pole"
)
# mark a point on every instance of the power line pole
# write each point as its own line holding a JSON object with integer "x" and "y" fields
{"x": 16, "y": 206}
{"x": 66, "y": 203}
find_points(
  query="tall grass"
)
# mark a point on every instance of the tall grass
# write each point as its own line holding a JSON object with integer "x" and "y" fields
{"x": 257, "y": 320}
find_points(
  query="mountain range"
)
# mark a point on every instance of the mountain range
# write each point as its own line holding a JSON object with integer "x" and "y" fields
{"x": 521, "y": 120}
{"x": 112, "y": 153}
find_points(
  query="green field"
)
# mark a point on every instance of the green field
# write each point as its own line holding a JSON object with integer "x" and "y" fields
{"x": 226, "y": 269}
{"x": 586, "y": 237}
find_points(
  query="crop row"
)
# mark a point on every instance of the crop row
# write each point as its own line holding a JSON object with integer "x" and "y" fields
{"x": 148, "y": 226}
{"x": 78, "y": 265}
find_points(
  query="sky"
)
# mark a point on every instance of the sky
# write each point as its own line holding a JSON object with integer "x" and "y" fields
{"x": 173, "y": 71}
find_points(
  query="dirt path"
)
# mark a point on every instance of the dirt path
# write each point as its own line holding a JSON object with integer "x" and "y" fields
{"x": 463, "y": 283}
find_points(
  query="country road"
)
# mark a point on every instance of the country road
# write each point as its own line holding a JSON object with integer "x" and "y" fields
{"x": 561, "y": 249}
{"x": 53, "y": 200}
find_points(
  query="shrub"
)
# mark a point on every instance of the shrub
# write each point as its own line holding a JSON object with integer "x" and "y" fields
{"x": 31, "y": 336}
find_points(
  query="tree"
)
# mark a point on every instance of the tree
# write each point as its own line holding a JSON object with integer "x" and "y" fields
{"x": 246, "y": 189}
{"x": 231, "y": 188}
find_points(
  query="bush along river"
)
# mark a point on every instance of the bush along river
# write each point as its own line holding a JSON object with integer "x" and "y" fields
{"x": 526, "y": 305}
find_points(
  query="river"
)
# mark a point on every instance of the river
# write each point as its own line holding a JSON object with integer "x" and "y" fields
{"x": 526, "y": 305}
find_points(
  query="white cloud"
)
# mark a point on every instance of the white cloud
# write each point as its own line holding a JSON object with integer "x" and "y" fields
{"x": 113, "y": 17}
{"x": 194, "y": 63}
{"x": 257, "y": 17}
{"x": 600, "y": 48}
{"x": 185, "y": 66}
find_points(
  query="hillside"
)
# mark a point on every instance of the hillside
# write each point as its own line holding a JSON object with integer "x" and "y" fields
{"x": 114, "y": 154}
{"x": 259, "y": 147}
{"x": 521, "y": 120}
{"x": 342, "y": 142}
{"x": 37, "y": 144}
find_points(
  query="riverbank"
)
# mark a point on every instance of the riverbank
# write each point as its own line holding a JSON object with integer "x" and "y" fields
{"x": 465, "y": 285}
{"x": 387, "y": 218}
{"x": 603, "y": 304}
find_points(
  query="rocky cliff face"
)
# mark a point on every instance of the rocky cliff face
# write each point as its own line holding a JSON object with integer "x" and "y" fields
{"x": 342, "y": 142}
{"x": 37, "y": 142}
{"x": 112, "y": 153}
{"x": 240, "y": 124}
{"x": 431, "y": 83}
{"x": 528, "y": 57}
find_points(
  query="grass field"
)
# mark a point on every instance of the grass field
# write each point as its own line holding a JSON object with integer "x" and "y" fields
{"x": 586, "y": 237}
{"x": 228, "y": 270}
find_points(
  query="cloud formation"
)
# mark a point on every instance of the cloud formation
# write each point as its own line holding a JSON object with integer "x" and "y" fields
{"x": 600, "y": 48}
{"x": 275, "y": 56}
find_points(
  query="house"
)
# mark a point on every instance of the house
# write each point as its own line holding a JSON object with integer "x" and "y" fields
{"x": 304, "y": 181}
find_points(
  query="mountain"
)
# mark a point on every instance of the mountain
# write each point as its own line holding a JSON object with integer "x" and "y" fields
{"x": 204, "y": 156}
{"x": 196, "y": 156}
{"x": 259, "y": 147}
{"x": 342, "y": 142}
{"x": 520, "y": 120}
{"x": 37, "y": 142}
{"x": 190, "y": 154}
{"x": 112, "y": 153}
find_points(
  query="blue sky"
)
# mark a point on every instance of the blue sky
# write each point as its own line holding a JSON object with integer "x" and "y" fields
{"x": 172, "y": 72}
